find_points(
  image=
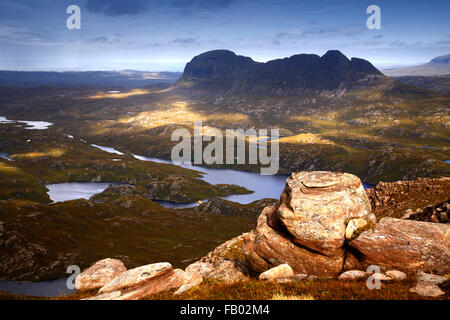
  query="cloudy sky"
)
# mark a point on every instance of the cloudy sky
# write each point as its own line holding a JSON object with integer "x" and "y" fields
{"x": 161, "y": 35}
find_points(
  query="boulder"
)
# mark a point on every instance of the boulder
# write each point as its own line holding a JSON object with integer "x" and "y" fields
{"x": 281, "y": 271}
{"x": 406, "y": 245}
{"x": 99, "y": 274}
{"x": 431, "y": 278}
{"x": 136, "y": 277}
{"x": 427, "y": 289}
{"x": 203, "y": 268}
{"x": 295, "y": 278}
{"x": 170, "y": 280}
{"x": 270, "y": 245}
{"x": 353, "y": 275}
{"x": 396, "y": 275}
{"x": 191, "y": 280}
{"x": 229, "y": 271}
{"x": 315, "y": 207}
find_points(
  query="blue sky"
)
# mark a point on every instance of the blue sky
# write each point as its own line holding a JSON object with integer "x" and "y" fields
{"x": 162, "y": 35}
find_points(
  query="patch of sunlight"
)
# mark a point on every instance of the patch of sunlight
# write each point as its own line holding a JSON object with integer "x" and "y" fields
{"x": 176, "y": 113}
{"x": 305, "y": 138}
{"x": 135, "y": 92}
{"x": 281, "y": 296}
{"x": 55, "y": 152}
{"x": 7, "y": 168}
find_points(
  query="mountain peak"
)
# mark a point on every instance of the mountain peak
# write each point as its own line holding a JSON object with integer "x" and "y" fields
{"x": 442, "y": 59}
{"x": 224, "y": 71}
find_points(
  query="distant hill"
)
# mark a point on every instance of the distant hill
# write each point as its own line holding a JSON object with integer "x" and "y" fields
{"x": 438, "y": 66}
{"x": 225, "y": 72}
{"x": 124, "y": 79}
{"x": 434, "y": 83}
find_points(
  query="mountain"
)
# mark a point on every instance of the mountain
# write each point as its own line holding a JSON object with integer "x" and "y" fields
{"x": 438, "y": 66}
{"x": 225, "y": 72}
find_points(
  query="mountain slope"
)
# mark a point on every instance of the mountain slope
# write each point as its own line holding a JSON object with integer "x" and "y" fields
{"x": 438, "y": 66}
{"x": 222, "y": 71}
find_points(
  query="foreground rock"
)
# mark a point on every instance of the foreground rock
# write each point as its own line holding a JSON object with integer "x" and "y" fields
{"x": 406, "y": 245}
{"x": 353, "y": 275}
{"x": 431, "y": 278}
{"x": 316, "y": 205}
{"x": 229, "y": 271}
{"x": 268, "y": 247}
{"x": 137, "y": 276}
{"x": 308, "y": 228}
{"x": 427, "y": 289}
{"x": 99, "y": 274}
{"x": 396, "y": 275}
{"x": 281, "y": 271}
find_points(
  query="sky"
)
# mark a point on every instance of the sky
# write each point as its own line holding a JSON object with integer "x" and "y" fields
{"x": 163, "y": 35}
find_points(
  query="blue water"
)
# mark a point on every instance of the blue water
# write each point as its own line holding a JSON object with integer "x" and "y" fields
{"x": 75, "y": 190}
{"x": 5, "y": 156}
{"x": 51, "y": 288}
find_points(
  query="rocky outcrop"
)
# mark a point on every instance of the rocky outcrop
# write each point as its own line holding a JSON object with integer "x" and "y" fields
{"x": 307, "y": 229}
{"x": 438, "y": 213}
{"x": 406, "y": 245}
{"x": 136, "y": 277}
{"x": 396, "y": 199}
{"x": 315, "y": 207}
{"x": 99, "y": 274}
{"x": 142, "y": 282}
{"x": 268, "y": 247}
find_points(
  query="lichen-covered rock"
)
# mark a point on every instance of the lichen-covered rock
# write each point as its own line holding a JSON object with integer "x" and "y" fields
{"x": 354, "y": 227}
{"x": 281, "y": 271}
{"x": 292, "y": 279}
{"x": 202, "y": 268}
{"x": 353, "y": 275}
{"x": 396, "y": 275}
{"x": 136, "y": 277}
{"x": 99, "y": 274}
{"x": 431, "y": 278}
{"x": 191, "y": 280}
{"x": 269, "y": 246}
{"x": 406, "y": 245}
{"x": 315, "y": 207}
{"x": 229, "y": 271}
{"x": 170, "y": 280}
{"x": 427, "y": 289}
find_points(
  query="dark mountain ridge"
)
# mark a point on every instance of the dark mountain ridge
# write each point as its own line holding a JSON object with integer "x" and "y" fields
{"x": 225, "y": 72}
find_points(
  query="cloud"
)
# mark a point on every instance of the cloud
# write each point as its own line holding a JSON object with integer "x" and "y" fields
{"x": 117, "y": 7}
{"x": 100, "y": 39}
{"x": 205, "y": 4}
{"x": 183, "y": 41}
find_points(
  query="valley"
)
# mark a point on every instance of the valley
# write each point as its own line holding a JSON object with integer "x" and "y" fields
{"x": 142, "y": 209}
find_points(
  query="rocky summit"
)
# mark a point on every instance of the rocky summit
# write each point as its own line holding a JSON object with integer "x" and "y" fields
{"x": 225, "y": 72}
{"x": 323, "y": 226}
{"x": 319, "y": 214}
